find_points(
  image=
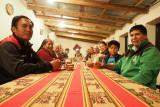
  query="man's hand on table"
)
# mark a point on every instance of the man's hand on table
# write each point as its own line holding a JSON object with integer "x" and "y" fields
{"x": 103, "y": 65}
{"x": 56, "y": 64}
{"x": 98, "y": 65}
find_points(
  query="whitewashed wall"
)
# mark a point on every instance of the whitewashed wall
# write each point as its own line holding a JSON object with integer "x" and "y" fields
{"x": 69, "y": 43}
{"x": 20, "y": 9}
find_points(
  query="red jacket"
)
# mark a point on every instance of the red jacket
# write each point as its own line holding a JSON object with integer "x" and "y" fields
{"x": 45, "y": 55}
{"x": 10, "y": 39}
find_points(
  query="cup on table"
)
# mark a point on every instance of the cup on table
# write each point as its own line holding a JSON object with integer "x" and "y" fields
{"x": 90, "y": 64}
{"x": 69, "y": 67}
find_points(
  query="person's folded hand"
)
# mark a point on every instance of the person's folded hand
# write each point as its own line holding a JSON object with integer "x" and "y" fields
{"x": 98, "y": 64}
{"x": 56, "y": 64}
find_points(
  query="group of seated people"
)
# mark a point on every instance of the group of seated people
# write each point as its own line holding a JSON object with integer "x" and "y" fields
{"x": 103, "y": 53}
{"x": 48, "y": 53}
{"x": 140, "y": 63}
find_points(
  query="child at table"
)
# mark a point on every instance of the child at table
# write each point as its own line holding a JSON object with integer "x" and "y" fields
{"x": 113, "y": 56}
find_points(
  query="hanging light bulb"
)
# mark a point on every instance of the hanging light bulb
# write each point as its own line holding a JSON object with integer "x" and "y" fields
{"x": 61, "y": 24}
{"x": 50, "y": 1}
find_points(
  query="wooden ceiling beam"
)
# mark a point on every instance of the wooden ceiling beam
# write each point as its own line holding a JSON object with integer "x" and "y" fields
{"x": 79, "y": 28}
{"x": 125, "y": 15}
{"x": 104, "y": 10}
{"x": 36, "y": 5}
{"x": 77, "y": 31}
{"x": 135, "y": 6}
{"x": 100, "y": 4}
{"x": 78, "y": 36}
{"x": 84, "y": 40}
{"x": 78, "y": 14}
{"x": 34, "y": 2}
{"x": 79, "y": 21}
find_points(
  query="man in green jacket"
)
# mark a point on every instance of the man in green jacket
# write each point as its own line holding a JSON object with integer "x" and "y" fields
{"x": 141, "y": 62}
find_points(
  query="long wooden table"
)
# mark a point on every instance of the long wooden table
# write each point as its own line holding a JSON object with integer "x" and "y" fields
{"x": 78, "y": 88}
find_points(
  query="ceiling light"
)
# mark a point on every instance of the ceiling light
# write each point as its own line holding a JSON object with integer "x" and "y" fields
{"x": 50, "y": 1}
{"x": 72, "y": 32}
{"x": 61, "y": 24}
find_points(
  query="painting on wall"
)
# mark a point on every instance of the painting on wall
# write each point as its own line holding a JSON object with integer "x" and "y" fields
{"x": 41, "y": 31}
{"x": 48, "y": 37}
{"x": 9, "y": 9}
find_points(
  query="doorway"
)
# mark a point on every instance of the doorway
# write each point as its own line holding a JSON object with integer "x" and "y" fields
{"x": 158, "y": 36}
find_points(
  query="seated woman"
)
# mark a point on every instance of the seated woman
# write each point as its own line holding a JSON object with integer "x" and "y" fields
{"x": 78, "y": 56}
{"x": 91, "y": 49}
{"x": 103, "y": 50}
{"x": 45, "y": 50}
{"x": 87, "y": 55}
{"x": 56, "y": 52}
{"x": 90, "y": 54}
{"x": 94, "y": 56}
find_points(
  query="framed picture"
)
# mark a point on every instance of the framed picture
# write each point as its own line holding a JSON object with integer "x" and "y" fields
{"x": 41, "y": 32}
{"x": 48, "y": 37}
{"x": 9, "y": 9}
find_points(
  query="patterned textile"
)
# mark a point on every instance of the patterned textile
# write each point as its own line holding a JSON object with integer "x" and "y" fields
{"x": 81, "y": 87}
{"x": 76, "y": 47}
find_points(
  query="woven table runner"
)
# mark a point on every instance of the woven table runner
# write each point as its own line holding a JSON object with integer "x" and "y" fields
{"x": 21, "y": 98}
{"x": 118, "y": 91}
{"x": 74, "y": 95}
{"x": 141, "y": 92}
{"x": 12, "y": 88}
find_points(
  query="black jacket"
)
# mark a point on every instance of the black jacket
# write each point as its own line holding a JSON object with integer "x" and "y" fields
{"x": 117, "y": 57}
{"x": 65, "y": 55}
{"x": 18, "y": 59}
{"x": 101, "y": 59}
{"x": 88, "y": 56}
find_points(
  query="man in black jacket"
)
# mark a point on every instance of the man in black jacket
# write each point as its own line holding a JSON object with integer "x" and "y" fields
{"x": 17, "y": 58}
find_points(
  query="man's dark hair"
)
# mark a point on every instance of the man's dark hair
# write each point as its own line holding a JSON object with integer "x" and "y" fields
{"x": 92, "y": 48}
{"x": 16, "y": 19}
{"x": 114, "y": 42}
{"x": 67, "y": 49}
{"x": 141, "y": 28}
{"x": 102, "y": 42}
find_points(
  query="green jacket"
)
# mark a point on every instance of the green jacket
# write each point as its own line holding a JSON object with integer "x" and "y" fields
{"x": 141, "y": 65}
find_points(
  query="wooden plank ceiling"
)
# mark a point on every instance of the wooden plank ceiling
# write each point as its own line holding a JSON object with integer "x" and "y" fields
{"x": 87, "y": 20}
